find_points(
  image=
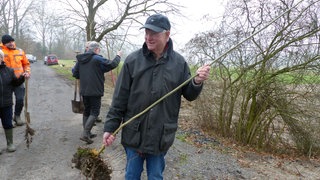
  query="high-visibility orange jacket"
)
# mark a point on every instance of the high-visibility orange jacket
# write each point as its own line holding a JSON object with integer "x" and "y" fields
{"x": 16, "y": 59}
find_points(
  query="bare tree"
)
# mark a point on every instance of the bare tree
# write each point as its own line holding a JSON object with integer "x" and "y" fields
{"x": 98, "y": 18}
{"x": 47, "y": 23}
{"x": 13, "y": 13}
{"x": 103, "y": 21}
{"x": 15, "y": 20}
{"x": 267, "y": 86}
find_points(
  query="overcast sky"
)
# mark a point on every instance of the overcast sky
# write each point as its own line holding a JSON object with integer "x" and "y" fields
{"x": 195, "y": 10}
{"x": 183, "y": 29}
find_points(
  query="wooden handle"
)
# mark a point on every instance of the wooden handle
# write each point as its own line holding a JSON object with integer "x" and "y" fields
{"x": 26, "y": 95}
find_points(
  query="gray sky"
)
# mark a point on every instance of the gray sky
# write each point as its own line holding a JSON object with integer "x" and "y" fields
{"x": 183, "y": 29}
{"x": 195, "y": 10}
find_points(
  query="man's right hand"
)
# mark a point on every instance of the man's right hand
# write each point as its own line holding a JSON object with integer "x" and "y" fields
{"x": 108, "y": 138}
{"x": 119, "y": 53}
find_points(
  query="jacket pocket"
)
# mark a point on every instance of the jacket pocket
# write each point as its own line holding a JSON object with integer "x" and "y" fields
{"x": 131, "y": 134}
{"x": 168, "y": 135}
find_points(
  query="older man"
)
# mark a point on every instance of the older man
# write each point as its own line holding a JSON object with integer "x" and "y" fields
{"x": 148, "y": 74}
{"x": 90, "y": 69}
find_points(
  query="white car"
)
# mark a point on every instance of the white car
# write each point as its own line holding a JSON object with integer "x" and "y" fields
{"x": 31, "y": 58}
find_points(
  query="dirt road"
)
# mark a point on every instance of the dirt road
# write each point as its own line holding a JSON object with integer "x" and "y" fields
{"x": 57, "y": 138}
{"x": 57, "y": 132}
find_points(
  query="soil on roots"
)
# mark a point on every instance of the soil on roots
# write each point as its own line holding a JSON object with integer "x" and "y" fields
{"x": 91, "y": 165}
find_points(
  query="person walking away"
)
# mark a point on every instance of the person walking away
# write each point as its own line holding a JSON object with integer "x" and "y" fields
{"x": 147, "y": 75}
{"x": 90, "y": 68}
{"x": 16, "y": 59}
{"x": 8, "y": 81}
{"x": 98, "y": 119}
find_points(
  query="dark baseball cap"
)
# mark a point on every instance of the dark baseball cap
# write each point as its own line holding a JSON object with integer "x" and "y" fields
{"x": 157, "y": 23}
{"x": 6, "y": 39}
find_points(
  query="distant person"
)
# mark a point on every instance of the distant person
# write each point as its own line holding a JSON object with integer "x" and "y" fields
{"x": 147, "y": 75}
{"x": 8, "y": 81}
{"x": 90, "y": 68}
{"x": 85, "y": 50}
{"x": 16, "y": 59}
{"x": 98, "y": 119}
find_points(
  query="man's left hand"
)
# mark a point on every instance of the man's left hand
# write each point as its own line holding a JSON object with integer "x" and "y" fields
{"x": 202, "y": 74}
{"x": 26, "y": 75}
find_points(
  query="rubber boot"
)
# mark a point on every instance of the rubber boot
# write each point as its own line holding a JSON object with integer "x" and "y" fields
{"x": 92, "y": 135}
{"x": 99, "y": 119}
{"x": 9, "y": 137}
{"x": 18, "y": 120}
{"x": 87, "y": 129}
{"x": 84, "y": 121}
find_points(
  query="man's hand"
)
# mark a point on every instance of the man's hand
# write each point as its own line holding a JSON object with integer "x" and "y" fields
{"x": 26, "y": 75}
{"x": 119, "y": 53}
{"x": 108, "y": 139}
{"x": 203, "y": 74}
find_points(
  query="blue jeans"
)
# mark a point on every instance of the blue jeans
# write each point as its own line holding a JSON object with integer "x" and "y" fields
{"x": 155, "y": 165}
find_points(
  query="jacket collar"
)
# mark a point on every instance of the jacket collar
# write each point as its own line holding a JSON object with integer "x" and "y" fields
{"x": 2, "y": 46}
{"x": 168, "y": 50}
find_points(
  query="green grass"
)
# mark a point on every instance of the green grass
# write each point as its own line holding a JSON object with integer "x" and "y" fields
{"x": 182, "y": 137}
{"x": 64, "y": 68}
{"x": 296, "y": 78}
{"x": 183, "y": 158}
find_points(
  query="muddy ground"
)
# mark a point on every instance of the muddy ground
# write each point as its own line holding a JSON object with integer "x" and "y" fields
{"x": 57, "y": 138}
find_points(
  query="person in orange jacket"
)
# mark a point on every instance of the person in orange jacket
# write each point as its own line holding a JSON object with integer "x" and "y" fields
{"x": 16, "y": 59}
{"x": 8, "y": 81}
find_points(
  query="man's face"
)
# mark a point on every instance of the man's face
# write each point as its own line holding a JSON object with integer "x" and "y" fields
{"x": 10, "y": 45}
{"x": 156, "y": 41}
{"x": 97, "y": 50}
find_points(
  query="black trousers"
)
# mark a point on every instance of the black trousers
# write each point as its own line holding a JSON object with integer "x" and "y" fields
{"x": 92, "y": 105}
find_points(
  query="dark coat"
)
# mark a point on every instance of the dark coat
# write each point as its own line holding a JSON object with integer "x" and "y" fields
{"x": 8, "y": 81}
{"x": 142, "y": 81}
{"x": 90, "y": 69}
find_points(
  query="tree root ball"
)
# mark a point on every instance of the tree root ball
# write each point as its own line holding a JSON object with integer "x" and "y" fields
{"x": 91, "y": 165}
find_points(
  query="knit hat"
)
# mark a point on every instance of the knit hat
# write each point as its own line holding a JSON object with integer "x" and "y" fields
{"x": 157, "y": 23}
{"x": 6, "y": 39}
